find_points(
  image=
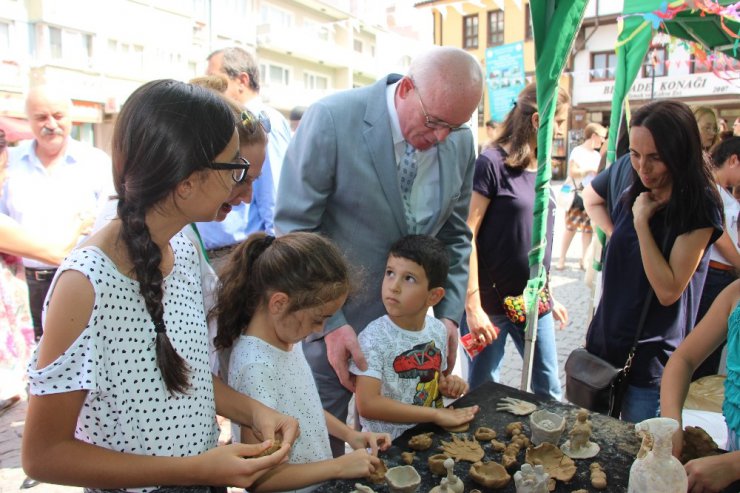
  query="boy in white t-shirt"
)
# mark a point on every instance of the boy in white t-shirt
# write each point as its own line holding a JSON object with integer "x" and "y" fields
{"x": 406, "y": 350}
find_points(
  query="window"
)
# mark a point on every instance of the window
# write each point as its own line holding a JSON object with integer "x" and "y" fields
{"x": 528, "y": 32}
{"x": 655, "y": 62}
{"x": 55, "y": 43}
{"x": 603, "y": 66}
{"x": 315, "y": 81}
{"x": 4, "y": 37}
{"x": 357, "y": 44}
{"x": 275, "y": 75}
{"x": 470, "y": 31}
{"x": 496, "y": 27}
{"x": 277, "y": 18}
{"x": 720, "y": 63}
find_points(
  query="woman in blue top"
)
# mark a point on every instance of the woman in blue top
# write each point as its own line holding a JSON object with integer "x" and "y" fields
{"x": 663, "y": 226}
{"x": 722, "y": 322}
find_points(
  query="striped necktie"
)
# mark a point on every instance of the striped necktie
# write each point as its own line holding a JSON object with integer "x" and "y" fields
{"x": 406, "y": 176}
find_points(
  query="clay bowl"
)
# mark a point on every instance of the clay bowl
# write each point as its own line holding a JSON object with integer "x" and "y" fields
{"x": 402, "y": 479}
{"x": 546, "y": 427}
{"x": 489, "y": 474}
{"x": 436, "y": 464}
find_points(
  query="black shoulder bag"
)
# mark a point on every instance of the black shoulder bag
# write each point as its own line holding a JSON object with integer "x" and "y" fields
{"x": 596, "y": 384}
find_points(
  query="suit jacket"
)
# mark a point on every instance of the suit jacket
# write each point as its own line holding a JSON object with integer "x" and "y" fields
{"x": 340, "y": 179}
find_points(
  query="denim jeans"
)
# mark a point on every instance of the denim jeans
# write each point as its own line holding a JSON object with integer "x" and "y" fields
{"x": 486, "y": 366}
{"x": 640, "y": 403}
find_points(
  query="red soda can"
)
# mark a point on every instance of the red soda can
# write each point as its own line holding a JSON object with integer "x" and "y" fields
{"x": 473, "y": 346}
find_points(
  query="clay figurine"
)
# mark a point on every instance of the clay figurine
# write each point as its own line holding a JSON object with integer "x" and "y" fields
{"x": 454, "y": 483}
{"x": 546, "y": 427}
{"x": 442, "y": 488}
{"x": 402, "y": 479}
{"x": 436, "y": 464}
{"x": 489, "y": 474}
{"x": 508, "y": 459}
{"x": 531, "y": 479}
{"x": 361, "y": 488}
{"x": 408, "y": 457}
{"x": 484, "y": 434}
{"x": 579, "y": 446}
{"x": 515, "y": 406}
{"x": 598, "y": 476}
{"x": 468, "y": 450}
{"x": 421, "y": 442}
{"x": 658, "y": 471}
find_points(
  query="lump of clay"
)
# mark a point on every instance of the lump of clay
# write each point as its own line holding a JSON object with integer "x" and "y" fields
{"x": 696, "y": 444}
{"x": 514, "y": 428}
{"x": 497, "y": 446}
{"x": 436, "y": 464}
{"x": 515, "y": 406}
{"x": 272, "y": 449}
{"x": 402, "y": 479}
{"x": 484, "y": 434}
{"x": 531, "y": 479}
{"x": 466, "y": 449}
{"x": 421, "y": 442}
{"x": 378, "y": 476}
{"x": 556, "y": 463}
{"x": 489, "y": 474}
{"x": 408, "y": 457}
{"x": 598, "y": 476}
{"x": 508, "y": 459}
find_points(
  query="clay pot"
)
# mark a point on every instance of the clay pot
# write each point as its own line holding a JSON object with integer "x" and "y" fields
{"x": 546, "y": 427}
{"x": 556, "y": 463}
{"x": 489, "y": 474}
{"x": 402, "y": 479}
{"x": 436, "y": 464}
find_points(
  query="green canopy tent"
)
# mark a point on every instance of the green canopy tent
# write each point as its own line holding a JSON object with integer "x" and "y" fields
{"x": 555, "y": 24}
{"x": 711, "y": 24}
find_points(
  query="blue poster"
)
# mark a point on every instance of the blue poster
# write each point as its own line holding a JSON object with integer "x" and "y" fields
{"x": 504, "y": 77}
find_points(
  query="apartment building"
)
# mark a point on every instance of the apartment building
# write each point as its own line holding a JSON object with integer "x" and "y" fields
{"x": 101, "y": 50}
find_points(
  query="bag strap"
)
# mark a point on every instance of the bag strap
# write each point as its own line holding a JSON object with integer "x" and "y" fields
{"x": 643, "y": 314}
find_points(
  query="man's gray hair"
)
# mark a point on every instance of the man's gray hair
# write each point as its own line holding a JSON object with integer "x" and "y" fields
{"x": 237, "y": 60}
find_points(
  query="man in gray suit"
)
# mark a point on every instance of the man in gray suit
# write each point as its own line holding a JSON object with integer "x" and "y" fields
{"x": 341, "y": 178}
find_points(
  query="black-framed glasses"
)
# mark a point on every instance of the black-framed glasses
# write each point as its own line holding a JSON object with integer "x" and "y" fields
{"x": 238, "y": 170}
{"x": 435, "y": 123}
{"x": 250, "y": 121}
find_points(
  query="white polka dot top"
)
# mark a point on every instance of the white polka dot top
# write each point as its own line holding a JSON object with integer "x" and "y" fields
{"x": 128, "y": 408}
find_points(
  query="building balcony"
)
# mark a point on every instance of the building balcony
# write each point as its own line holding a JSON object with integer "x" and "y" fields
{"x": 303, "y": 44}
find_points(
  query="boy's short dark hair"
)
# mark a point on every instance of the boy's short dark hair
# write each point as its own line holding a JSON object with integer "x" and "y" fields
{"x": 426, "y": 251}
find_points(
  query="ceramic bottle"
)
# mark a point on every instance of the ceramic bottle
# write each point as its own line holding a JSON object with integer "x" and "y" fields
{"x": 658, "y": 471}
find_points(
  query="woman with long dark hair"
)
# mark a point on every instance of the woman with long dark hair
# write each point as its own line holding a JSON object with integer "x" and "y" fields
{"x": 663, "y": 225}
{"x": 501, "y": 211}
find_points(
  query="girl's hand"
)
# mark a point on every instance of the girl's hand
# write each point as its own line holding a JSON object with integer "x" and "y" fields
{"x": 711, "y": 474}
{"x": 268, "y": 423}
{"x": 452, "y": 386}
{"x": 449, "y": 417}
{"x": 358, "y": 464}
{"x": 369, "y": 440}
{"x": 645, "y": 207}
{"x": 235, "y": 465}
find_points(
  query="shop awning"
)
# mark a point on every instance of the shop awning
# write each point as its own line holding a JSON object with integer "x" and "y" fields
{"x": 15, "y": 129}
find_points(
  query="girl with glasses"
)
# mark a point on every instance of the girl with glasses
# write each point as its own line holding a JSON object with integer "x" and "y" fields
{"x": 123, "y": 397}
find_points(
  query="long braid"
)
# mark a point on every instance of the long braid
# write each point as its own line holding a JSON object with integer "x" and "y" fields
{"x": 147, "y": 259}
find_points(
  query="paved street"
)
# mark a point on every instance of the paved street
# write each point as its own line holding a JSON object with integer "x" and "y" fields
{"x": 568, "y": 288}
